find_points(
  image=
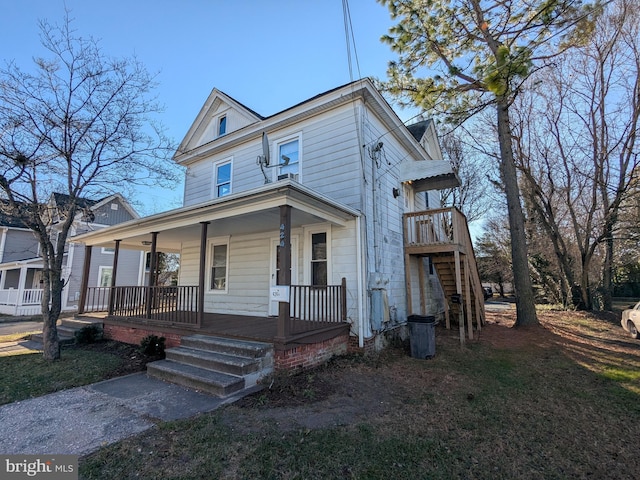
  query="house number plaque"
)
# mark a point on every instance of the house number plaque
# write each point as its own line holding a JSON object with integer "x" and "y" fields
{"x": 279, "y": 293}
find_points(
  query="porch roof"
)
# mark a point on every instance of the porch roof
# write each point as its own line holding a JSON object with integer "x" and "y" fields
{"x": 252, "y": 211}
{"x": 35, "y": 262}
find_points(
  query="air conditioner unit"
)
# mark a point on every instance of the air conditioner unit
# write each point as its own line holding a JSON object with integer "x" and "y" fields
{"x": 288, "y": 176}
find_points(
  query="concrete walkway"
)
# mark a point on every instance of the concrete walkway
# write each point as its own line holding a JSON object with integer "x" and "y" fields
{"x": 81, "y": 420}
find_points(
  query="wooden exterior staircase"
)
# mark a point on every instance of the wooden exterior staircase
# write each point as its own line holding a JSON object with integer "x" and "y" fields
{"x": 443, "y": 236}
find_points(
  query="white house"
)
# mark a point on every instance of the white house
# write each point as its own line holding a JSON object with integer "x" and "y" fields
{"x": 21, "y": 265}
{"x": 315, "y": 229}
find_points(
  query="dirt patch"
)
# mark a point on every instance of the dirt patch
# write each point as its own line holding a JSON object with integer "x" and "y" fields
{"x": 133, "y": 361}
{"x": 352, "y": 388}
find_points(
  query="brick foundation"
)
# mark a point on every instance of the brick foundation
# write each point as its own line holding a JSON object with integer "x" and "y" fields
{"x": 134, "y": 336}
{"x": 312, "y": 355}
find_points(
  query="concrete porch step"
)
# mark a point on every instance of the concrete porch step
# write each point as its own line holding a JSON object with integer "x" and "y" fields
{"x": 213, "y": 382}
{"x": 232, "y": 364}
{"x": 64, "y": 337}
{"x": 67, "y": 328}
{"x": 216, "y": 365}
{"x": 244, "y": 348}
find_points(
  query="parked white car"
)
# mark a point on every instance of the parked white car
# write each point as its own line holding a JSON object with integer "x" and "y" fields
{"x": 631, "y": 320}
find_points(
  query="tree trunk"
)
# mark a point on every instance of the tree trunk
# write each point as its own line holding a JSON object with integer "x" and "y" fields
{"x": 525, "y": 306}
{"x": 51, "y": 308}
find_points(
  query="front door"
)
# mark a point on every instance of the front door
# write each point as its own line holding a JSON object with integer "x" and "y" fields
{"x": 273, "y": 306}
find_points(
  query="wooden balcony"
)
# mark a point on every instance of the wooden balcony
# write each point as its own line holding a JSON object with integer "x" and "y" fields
{"x": 443, "y": 236}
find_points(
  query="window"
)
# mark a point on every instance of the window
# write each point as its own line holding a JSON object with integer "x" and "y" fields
{"x": 289, "y": 153}
{"x": 319, "y": 258}
{"x": 222, "y": 125}
{"x": 219, "y": 266}
{"x": 109, "y": 250}
{"x": 104, "y": 276}
{"x": 222, "y": 181}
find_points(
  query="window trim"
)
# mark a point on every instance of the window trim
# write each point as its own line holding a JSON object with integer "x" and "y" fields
{"x": 219, "y": 121}
{"x": 101, "y": 269}
{"x": 214, "y": 184}
{"x": 211, "y": 243}
{"x": 276, "y": 149}
{"x": 308, "y": 254}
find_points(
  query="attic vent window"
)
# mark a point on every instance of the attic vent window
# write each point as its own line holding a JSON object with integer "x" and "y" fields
{"x": 222, "y": 125}
{"x": 114, "y": 206}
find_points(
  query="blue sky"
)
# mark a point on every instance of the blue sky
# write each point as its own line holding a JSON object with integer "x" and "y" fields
{"x": 268, "y": 54}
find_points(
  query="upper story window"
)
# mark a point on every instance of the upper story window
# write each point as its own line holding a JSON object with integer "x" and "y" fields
{"x": 222, "y": 125}
{"x": 288, "y": 151}
{"x": 222, "y": 179}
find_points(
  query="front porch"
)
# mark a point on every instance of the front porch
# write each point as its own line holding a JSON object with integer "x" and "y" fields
{"x": 20, "y": 288}
{"x": 253, "y": 265}
{"x": 316, "y": 314}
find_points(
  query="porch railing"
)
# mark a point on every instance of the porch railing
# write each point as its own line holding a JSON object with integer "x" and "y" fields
{"x": 317, "y": 306}
{"x": 172, "y": 305}
{"x": 30, "y": 296}
{"x": 312, "y": 307}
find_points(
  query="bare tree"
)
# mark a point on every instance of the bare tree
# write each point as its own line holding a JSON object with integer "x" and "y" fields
{"x": 470, "y": 196}
{"x": 460, "y": 57}
{"x": 577, "y": 146}
{"x": 78, "y": 123}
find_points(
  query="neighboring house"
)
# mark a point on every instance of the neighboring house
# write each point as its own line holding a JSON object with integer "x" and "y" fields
{"x": 21, "y": 265}
{"x": 313, "y": 229}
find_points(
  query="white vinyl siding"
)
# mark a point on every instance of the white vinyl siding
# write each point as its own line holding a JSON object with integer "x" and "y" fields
{"x": 329, "y": 161}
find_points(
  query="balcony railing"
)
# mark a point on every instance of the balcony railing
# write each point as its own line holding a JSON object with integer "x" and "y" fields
{"x": 431, "y": 227}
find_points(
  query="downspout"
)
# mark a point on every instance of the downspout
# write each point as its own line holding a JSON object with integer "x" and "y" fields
{"x": 360, "y": 273}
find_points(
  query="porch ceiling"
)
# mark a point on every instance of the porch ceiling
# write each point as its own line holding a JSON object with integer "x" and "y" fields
{"x": 255, "y": 211}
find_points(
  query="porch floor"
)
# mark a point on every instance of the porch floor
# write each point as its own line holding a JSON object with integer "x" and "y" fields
{"x": 262, "y": 329}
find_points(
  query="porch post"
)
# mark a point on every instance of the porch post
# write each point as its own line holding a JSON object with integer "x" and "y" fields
{"x": 84, "y": 285}
{"x": 152, "y": 273}
{"x": 201, "y": 272}
{"x": 284, "y": 271}
{"x": 114, "y": 272}
{"x": 21, "y": 287}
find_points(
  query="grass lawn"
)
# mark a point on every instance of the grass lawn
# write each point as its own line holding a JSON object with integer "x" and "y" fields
{"x": 560, "y": 401}
{"x": 27, "y": 376}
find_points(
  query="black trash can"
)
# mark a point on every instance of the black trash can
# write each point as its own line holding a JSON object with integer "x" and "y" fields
{"x": 422, "y": 336}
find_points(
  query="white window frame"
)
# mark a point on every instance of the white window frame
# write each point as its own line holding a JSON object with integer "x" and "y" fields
{"x": 219, "y": 120}
{"x": 214, "y": 186}
{"x": 308, "y": 254}
{"x": 101, "y": 271}
{"x": 108, "y": 250}
{"x": 276, "y": 150}
{"x": 211, "y": 242}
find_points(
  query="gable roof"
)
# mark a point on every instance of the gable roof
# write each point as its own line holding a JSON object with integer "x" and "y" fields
{"x": 61, "y": 199}
{"x": 215, "y": 99}
{"x": 363, "y": 90}
{"x": 418, "y": 129}
{"x": 8, "y": 220}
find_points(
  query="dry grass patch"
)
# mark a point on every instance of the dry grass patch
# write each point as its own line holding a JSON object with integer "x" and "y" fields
{"x": 532, "y": 403}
